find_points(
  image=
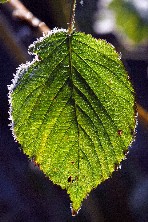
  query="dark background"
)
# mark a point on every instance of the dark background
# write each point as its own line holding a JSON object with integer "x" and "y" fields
{"x": 26, "y": 195}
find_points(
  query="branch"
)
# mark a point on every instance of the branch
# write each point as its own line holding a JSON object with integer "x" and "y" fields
{"x": 72, "y": 18}
{"x": 17, "y": 9}
{"x": 21, "y": 12}
{"x": 143, "y": 114}
{"x": 17, "y": 51}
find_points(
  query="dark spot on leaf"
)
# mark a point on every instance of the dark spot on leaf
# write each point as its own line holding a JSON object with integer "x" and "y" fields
{"x": 116, "y": 166}
{"x": 36, "y": 164}
{"x": 132, "y": 132}
{"x": 72, "y": 162}
{"x": 125, "y": 152}
{"x": 69, "y": 179}
{"x": 39, "y": 58}
{"x": 119, "y": 132}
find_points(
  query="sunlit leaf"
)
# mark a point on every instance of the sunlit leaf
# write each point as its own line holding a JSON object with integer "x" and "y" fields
{"x": 73, "y": 110}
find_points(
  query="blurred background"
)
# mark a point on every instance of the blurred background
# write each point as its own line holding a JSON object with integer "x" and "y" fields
{"x": 26, "y": 195}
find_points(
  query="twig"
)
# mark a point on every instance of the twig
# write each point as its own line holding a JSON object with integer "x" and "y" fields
{"x": 21, "y": 12}
{"x": 72, "y": 18}
{"x": 7, "y": 35}
{"x": 143, "y": 114}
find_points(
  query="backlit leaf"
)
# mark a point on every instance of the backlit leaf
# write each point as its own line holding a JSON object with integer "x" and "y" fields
{"x": 72, "y": 110}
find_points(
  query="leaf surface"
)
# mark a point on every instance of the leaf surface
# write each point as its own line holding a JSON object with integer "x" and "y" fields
{"x": 72, "y": 110}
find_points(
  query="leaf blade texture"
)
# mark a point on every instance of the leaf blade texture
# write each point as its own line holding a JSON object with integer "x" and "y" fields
{"x": 72, "y": 110}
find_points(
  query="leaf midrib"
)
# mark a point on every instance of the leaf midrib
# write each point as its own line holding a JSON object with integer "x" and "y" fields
{"x": 69, "y": 37}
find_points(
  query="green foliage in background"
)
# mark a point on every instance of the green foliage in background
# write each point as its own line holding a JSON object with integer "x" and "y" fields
{"x": 73, "y": 110}
{"x": 129, "y": 20}
{"x": 3, "y": 1}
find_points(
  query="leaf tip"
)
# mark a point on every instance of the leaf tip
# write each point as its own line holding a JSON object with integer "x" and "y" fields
{"x": 73, "y": 211}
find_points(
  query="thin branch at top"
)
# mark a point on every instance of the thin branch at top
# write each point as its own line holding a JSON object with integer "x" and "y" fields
{"x": 21, "y": 12}
{"x": 72, "y": 18}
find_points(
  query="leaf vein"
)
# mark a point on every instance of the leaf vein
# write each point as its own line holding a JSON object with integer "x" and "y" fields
{"x": 96, "y": 131}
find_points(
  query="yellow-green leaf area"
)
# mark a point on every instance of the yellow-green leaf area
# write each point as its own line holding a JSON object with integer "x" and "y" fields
{"x": 3, "y": 1}
{"x": 73, "y": 110}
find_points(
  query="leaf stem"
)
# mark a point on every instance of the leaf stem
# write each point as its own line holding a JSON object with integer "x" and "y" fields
{"x": 72, "y": 18}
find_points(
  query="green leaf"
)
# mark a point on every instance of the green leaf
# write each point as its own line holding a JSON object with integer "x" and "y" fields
{"x": 72, "y": 110}
{"x": 129, "y": 20}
